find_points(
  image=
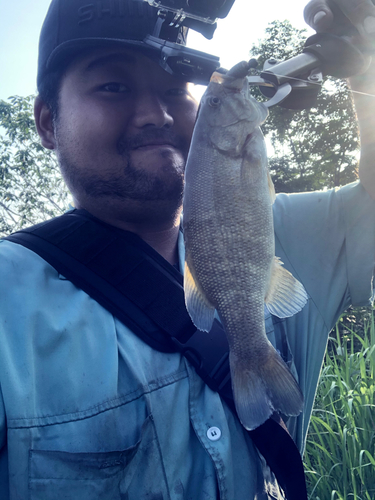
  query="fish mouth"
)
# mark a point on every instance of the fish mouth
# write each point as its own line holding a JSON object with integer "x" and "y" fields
{"x": 235, "y": 80}
{"x": 242, "y": 69}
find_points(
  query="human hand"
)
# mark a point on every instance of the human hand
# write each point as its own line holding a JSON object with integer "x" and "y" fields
{"x": 353, "y": 18}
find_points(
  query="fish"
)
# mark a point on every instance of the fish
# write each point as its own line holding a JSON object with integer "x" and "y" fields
{"x": 230, "y": 264}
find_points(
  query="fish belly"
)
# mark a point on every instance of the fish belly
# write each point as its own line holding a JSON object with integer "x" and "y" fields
{"x": 229, "y": 238}
{"x": 228, "y": 227}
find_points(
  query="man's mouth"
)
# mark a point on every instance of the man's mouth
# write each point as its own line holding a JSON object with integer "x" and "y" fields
{"x": 151, "y": 140}
{"x": 154, "y": 144}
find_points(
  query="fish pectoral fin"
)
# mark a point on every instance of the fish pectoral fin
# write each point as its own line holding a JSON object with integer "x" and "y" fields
{"x": 271, "y": 188}
{"x": 199, "y": 308}
{"x": 263, "y": 385}
{"x": 285, "y": 296}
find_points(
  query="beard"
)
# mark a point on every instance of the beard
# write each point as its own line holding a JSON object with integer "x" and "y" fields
{"x": 133, "y": 180}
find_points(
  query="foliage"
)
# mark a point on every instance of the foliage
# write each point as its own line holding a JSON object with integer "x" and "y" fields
{"x": 340, "y": 449}
{"x": 31, "y": 188}
{"x": 314, "y": 148}
{"x": 354, "y": 318}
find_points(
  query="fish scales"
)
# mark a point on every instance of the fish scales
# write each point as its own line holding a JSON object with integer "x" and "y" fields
{"x": 230, "y": 263}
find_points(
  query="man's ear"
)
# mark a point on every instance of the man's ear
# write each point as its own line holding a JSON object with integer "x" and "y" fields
{"x": 44, "y": 123}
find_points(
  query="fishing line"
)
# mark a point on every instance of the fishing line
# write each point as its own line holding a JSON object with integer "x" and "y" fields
{"x": 319, "y": 84}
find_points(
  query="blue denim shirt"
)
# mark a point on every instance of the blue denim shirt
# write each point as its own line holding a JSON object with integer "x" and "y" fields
{"x": 89, "y": 411}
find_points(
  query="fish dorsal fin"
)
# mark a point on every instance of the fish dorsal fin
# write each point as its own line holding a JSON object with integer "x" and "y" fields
{"x": 271, "y": 188}
{"x": 199, "y": 308}
{"x": 285, "y": 295}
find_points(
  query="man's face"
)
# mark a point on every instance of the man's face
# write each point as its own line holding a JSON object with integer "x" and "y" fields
{"x": 123, "y": 132}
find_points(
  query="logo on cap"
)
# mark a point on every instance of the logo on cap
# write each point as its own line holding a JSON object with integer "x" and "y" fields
{"x": 112, "y": 8}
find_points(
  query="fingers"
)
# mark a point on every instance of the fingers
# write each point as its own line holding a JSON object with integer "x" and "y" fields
{"x": 361, "y": 13}
{"x": 318, "y": 15}
{"x": 338, "y": 16}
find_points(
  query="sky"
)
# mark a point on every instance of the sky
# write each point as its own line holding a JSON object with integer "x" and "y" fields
{"x": 21, "y": 20}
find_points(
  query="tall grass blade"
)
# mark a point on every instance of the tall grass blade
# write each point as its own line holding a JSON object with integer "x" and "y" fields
{"x": 340, "y": 449}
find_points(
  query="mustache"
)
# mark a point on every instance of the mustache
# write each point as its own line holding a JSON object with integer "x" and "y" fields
{"x": 152, "y": 136}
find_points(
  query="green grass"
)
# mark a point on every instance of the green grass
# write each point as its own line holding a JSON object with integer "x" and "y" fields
{"x": 340, "y": 451}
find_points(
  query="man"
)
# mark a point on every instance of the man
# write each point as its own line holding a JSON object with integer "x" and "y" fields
{"x": 87, "y": 409}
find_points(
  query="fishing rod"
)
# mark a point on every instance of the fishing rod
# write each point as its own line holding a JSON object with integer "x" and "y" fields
{"x": 294, "y": 83}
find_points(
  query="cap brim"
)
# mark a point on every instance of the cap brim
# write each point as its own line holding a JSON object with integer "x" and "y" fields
{"x": 67, "y": 50}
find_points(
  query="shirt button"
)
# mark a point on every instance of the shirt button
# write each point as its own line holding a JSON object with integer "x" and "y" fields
{"x": 214, "y": 433}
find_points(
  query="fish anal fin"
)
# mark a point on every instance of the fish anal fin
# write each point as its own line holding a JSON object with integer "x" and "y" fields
{"x": 260, "y": 388}
{"x": 199, "y": 308}
{"x": 285, "y": 296}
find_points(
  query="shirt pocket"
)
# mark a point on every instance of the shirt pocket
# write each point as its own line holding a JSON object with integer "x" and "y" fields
{"x": 132, "y": 474}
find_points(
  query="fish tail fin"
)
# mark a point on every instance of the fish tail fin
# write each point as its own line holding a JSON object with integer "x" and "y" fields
{"x": 259, "y": 390}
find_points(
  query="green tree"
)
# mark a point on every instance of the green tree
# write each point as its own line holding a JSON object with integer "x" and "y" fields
{"x": 31, "y": 187}
{"x": 315, "y": 148}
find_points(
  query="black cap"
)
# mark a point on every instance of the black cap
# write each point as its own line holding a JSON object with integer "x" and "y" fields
{"x": 72, "y": 25}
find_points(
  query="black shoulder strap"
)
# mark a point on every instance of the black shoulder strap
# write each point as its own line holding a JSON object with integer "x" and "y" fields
{"x": 113, "y": 267}
{"x": 132, "y": 281}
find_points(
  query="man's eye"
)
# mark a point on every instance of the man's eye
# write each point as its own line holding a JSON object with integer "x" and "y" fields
{"x": 115, "y": 87}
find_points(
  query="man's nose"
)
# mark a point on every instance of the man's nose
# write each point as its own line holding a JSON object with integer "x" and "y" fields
{"x": 150, "y": 110}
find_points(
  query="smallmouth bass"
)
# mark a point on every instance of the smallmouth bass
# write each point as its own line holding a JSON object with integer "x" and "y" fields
{"x": 230, "y": 263}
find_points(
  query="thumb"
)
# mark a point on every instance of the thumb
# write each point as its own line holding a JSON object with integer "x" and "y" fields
{"x": 318, "y": 15}
{"x": 342, "y": 16}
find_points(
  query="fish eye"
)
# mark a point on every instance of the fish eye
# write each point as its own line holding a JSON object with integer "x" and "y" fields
{"x": 214, "y": 101}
